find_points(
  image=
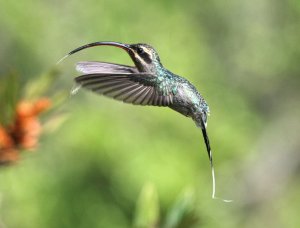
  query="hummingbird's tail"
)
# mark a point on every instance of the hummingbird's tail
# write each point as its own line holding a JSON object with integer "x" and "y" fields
{"x": 208, "y": 148}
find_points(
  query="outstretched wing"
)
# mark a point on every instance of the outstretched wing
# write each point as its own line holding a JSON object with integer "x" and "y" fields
{"x": 135, "y": 88}
{"x": 93, "y": 67}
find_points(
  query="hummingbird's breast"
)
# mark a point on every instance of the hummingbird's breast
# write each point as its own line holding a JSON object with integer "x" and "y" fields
{"x": 187, "y": 100}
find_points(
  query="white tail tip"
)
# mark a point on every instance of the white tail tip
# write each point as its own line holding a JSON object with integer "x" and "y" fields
{"x": 214, "y": 187}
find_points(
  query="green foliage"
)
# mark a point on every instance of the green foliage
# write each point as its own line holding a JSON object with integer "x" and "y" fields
{"x": 182, "y": 213}
{"x": 41, "y": 85}
{"x": 147, "y": 208}
{"x": 9, "y": 94}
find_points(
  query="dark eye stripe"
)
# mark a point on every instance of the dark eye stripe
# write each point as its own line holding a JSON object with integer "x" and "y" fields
{"x": 144, "y": 55}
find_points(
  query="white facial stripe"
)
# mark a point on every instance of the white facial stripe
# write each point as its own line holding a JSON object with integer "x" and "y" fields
{"x": 147, "y": 51}
{"x": 141, "y": 60}
{"x": 138, "y": 57}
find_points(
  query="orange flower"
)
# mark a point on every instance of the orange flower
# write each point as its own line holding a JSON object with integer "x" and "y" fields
{"x": 8, "y": 156}
{"x": 5, "y": 139}
{"x": 41, "y": 105}
{"x": 27, "y": 131}
{"x": 24, "y": 132}
{"x": 25, "y": 109}
{"x": 7, "y": 151}
{"x": 27, "y": 127}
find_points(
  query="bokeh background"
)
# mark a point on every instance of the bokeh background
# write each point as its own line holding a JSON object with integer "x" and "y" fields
{"x": 117, "y": 165}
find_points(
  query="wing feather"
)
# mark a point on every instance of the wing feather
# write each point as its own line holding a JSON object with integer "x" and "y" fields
{"x": 139, "y": 96}
{"x": 93, "y": 67}
{"x": 133, "y": 95}
{"x": 134, "y": 88}
{"x": 147, "y": 93}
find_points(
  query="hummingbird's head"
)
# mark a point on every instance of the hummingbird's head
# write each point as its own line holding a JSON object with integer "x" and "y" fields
{"x": 144, "y": 57}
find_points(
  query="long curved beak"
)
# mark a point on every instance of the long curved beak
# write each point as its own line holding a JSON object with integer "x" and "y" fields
{"x": 105, "y": 43}
{"x": 125, "y": 47}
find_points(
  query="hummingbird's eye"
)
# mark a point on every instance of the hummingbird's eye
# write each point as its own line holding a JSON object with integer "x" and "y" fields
{"x": 140, "y": 51}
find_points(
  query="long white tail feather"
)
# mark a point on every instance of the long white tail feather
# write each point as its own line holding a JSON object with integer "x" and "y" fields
{"x": 207, "y": 144}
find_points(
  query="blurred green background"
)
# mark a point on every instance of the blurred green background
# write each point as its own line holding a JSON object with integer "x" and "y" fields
{"x": 117, "y": 165}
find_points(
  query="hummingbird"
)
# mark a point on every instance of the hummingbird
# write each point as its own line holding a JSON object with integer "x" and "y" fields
{"x": 148, "y": 82}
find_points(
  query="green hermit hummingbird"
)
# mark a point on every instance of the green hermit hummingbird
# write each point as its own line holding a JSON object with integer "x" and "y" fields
{"x": 146, "y": 83}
